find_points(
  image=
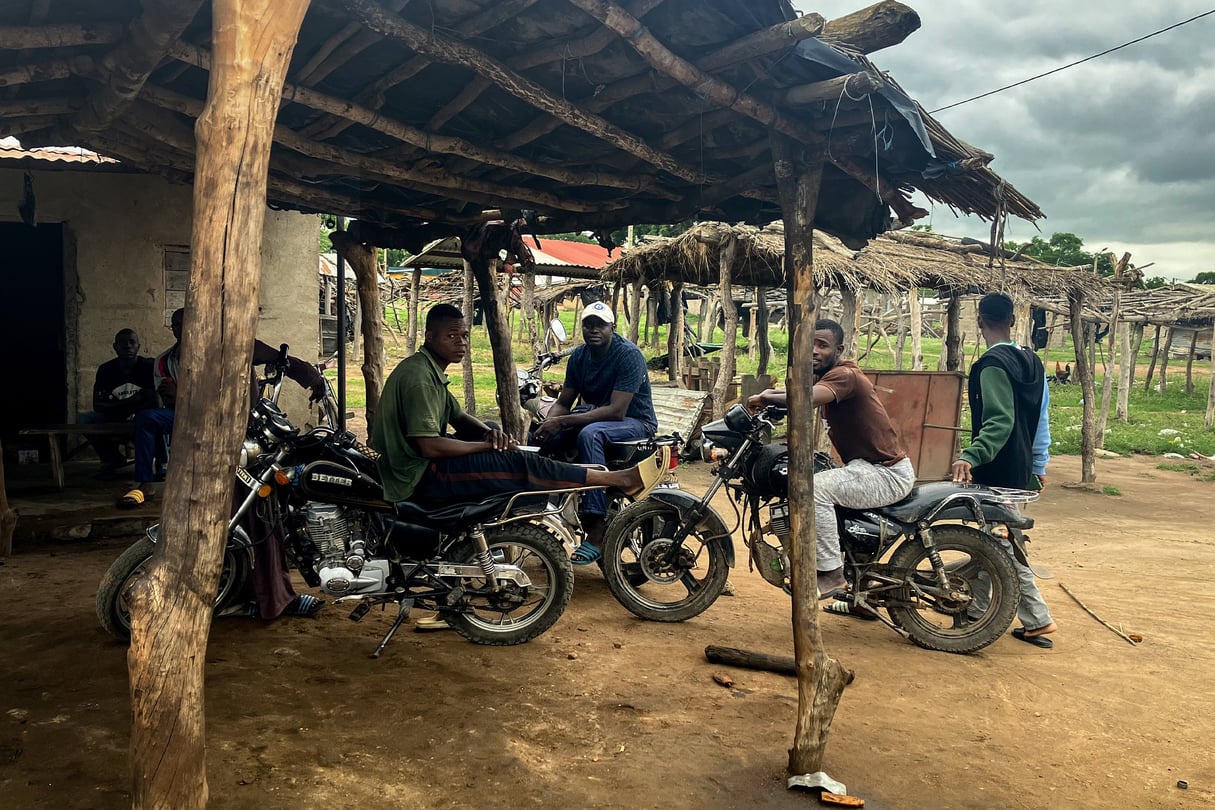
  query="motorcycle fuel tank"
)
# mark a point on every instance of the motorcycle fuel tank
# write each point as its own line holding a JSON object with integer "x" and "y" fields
{"x": 331, "y": 482}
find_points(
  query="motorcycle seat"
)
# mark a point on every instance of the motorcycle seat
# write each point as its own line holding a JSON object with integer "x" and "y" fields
{"x": 924, "y": 498}
{"x": 447, "y": 517}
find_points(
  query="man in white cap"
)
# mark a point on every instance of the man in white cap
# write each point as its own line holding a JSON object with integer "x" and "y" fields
{"x": 609, "y": 375}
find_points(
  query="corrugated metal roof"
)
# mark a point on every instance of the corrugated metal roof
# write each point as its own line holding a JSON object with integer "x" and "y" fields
{"x": 560, "y": 253}
{"x": 56, "y": 154}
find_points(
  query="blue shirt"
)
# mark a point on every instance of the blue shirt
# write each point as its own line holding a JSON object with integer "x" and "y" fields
{"x": 1041, "y": 448}
{"x": 622, "y": 368}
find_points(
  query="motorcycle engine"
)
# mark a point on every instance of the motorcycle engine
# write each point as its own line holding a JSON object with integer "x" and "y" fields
{"x": 338, "y": 536}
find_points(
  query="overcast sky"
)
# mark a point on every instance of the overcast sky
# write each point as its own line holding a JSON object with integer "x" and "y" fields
{"x": 1119, "y": 150}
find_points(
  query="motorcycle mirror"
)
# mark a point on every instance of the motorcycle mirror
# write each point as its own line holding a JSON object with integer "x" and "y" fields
{"x": 558, "y": 330}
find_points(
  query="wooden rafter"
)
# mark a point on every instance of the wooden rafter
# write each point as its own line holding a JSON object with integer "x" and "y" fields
{"x": 353, "y": 39}
{"x": 29, "y": 73}
{"x": 64, "y": 35}
{"x": 443, "y": 49}
{"x": 443, "y": 144}
{"x": 125, "y": 69}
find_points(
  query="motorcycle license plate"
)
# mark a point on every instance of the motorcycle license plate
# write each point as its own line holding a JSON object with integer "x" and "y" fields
{"x": 246, "y": 478}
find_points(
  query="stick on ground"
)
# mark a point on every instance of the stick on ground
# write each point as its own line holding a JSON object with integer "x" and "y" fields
{"x": 1090, "y": 612}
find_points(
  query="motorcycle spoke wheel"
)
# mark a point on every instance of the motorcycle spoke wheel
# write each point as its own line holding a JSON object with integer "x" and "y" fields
{"x": 638, "y": 574}
{"x": 113, "y": 594}
{"x": 514, "y": 614}
{"x": 980, "y": 573}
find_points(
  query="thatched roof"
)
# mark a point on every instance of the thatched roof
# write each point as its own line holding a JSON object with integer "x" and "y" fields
{"x": 893, "y": 261}
{"x": 427, "y": 118}
{"x": 1186, "y": 305}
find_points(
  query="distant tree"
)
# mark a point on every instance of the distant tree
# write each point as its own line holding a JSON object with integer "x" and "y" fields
{"x": 1066, "y": 250}
{"x": 924, "y": 228}
{"x": 1156, "y": 282}
{"x": 1204, "y": 278}
{"x": 327, "y": 224}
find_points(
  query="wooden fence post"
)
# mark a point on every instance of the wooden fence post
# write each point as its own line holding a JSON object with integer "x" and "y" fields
{"x": 1081, "y": 338}
{"x": 721, "y": 386}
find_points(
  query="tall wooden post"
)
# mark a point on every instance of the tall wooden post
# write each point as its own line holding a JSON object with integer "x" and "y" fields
{"x": 675, "y": 348}
{"x": 482, "y": 257}
{"x": 361, "y": 258}
{"x": 1165, "y": 351}
{"x": 1208, "y": 420}
{"x": 635, "y": 309}
{"x": 1189, "y": 364}
{"x": 527, "y": 312}
{"x": 1107, "y": 382}
{"x": 467, "y": 306}
{"x": 850, "y": 319}
{"x": 413, "y": 327}
{"x": 1147, "y": 383}
{"x": 1126, "y": 371}
{"x": 915, "y": 314}
{"x": 953, "y": 333}
{"x": 8, "y": 517}
{"x": 1084, "y": 370}
{"x": 820, "y": 679}
{"x": 171, "y": 607}
{"x": 761, "y": 332}
{"x": 725, "y": 373}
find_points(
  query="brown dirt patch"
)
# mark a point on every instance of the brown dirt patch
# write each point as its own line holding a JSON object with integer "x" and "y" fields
{"x": 608, "y": 711}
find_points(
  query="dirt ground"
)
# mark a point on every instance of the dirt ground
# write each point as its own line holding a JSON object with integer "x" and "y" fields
{"x": 608, "y": 711}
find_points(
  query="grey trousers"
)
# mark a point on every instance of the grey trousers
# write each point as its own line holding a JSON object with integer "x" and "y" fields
{"x": 1031, "y": 610}
{"x": 857, "y": 485}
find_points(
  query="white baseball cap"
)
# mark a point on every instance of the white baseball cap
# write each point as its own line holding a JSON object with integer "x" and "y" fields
{"x": 598, "y": 310}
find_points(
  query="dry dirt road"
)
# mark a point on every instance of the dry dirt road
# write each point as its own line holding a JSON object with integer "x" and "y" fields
{"x": 608, "y": 711}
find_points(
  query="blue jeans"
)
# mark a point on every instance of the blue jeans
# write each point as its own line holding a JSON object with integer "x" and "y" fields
{"x": 592, "y": 441}
{"x": 152, "y": 428}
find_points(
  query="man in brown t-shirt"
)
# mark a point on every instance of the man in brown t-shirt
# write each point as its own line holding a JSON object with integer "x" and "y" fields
{"x": 876, "y": 470}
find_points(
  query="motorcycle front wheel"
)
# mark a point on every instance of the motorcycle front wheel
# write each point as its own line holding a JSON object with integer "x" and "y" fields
{"x": 514, "y": 614}
{"x": 113, "y": 608}
{"x": 640, "y": 577}
{"x": 978, "y": 568}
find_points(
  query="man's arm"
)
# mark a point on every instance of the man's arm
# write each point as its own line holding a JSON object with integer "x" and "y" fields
{"x": 1042, "y": 436}
{"x": 998, "y": 415}
{"x": 302, "y": 372}
{"x": 819, "y": 395}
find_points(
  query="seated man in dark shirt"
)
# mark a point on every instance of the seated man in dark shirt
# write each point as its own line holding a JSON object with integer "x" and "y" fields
{"x": 876, "y": 469}
{"x": 609, "y": 375}
{"x": 418, "y": 459}
{"x": 122, "y": 388}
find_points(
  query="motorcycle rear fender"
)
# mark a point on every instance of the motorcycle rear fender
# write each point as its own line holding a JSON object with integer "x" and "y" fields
{"x": 992, "y": 512}
{"x": 717, "y": 531}
{"x": 237, "y": 537}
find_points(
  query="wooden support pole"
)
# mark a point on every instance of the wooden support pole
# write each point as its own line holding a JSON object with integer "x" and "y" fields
{"x": 527, "y": 313}
{"x": 413, "y": 326}
{"x": 1084, "y": 371}
{"x": 953, "y": 333}
{"x": 469, "y": 303}
{"x": 1126, "y": 370}
{"x": 361, "y": 258}
{"x": 850, "y": 319}
{"x": 1165, "y": 351}
{"x": 1107, "y": 381}
{"x": 635, "y": 310}
{"x": 171, "y": 606}
{"x": 481, "y": 253}
{"x": 675, "y": 344}
{"x": 1147, "y": 383}
{"x": 761, "y": 331}
{"x": 1189, "y": 364}
{"x": 1209, "y": 419}
{"x": 8, "y": 518}
{"x": 915, "y": 314}
{"x": 729, "y": 350}
{"x": 820, "y": 679}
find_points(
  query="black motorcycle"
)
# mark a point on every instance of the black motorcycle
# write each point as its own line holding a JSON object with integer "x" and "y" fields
{"x": 494, "y": 570}
{"x": 931, "y": 560}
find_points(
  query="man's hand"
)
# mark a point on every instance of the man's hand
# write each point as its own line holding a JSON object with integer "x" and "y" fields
{"x": 961, "y": 471}
{"x": 318, "y": 391}
{"x": 500, "y": 440}
{"x": 1041, "y": 481}
{"x": 548, "y": 429}
{"x": 168, "y": 391}
{"x": 758, "y": 401}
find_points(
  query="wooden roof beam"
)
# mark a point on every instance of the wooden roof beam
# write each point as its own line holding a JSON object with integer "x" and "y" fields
{"x": 373, "y": 95}
{"x": 442, "y": 49}
{"x": 878, "y": 26}
{"x": 126, "y": 68}
{"x": 31, "y": 72}
{"x": 65, "y": 35}
{"x": 853, "y": 87}
{"x": 752, "y": 46}
{"x": 722, "y": 94}
{"x": 442, "y": 144}
{"x": 355, "y": 39}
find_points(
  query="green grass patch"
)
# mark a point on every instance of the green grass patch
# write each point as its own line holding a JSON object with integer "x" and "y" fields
{"x": 1111, "y": 490}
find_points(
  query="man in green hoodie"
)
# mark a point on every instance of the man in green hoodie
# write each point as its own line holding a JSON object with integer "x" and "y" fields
{"x": 1009, "y": 437}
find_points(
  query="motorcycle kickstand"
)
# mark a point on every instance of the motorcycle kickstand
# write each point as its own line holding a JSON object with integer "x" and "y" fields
{"x": 402, "y": 615}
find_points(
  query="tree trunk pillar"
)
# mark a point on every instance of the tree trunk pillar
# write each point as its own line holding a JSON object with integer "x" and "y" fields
{"x": 762, "y": 329}
{"x": 915, "y": 314}
{"x": 413, "y": 326}
{"x": 820, "y": 679}
{"x": 483, "y": 263}
{"x": 1084, "y": 370}
{"x": 1107, "y": 381}
{"x": 1147, "y": 383}
{"x": 1126, "y": 372}
{"x": 635, "y": 310}
{"x": 850, "y": 319}
{"x": 953, "y": 333}
{"x": 1165, "y": 351}
{"x": 675, "y": 348}
{"x": 1189, "y": 364}
{"x": 361, "y": 259}
{"x": 468, "y": 305}
{"x": 725, "y": 373}
{"x": 171, "y": 607}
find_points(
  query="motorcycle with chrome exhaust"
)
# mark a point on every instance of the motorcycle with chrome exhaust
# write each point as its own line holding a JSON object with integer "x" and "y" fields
{"x": 931, "y": 561}
{"x": 495, "y": 570}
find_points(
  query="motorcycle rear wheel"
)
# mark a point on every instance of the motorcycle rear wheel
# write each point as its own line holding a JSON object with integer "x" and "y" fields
{"x": 971, "y": 558}
{"x": 517, "y": 616}
{"x": 113, "y": 609}
{"x": 660, "y": 596}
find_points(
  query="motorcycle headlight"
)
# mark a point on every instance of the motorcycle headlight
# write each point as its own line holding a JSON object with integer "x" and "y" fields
{"x": 250, "y": 451}
{"x": 711, "y": 454}
{"x": 740, "y": 420}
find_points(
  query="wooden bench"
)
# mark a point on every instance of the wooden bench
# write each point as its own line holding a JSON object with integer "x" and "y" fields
{"x": 57, "y": 433}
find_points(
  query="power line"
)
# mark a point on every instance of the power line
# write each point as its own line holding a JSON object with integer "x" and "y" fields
{"x": 1073, "y": 64}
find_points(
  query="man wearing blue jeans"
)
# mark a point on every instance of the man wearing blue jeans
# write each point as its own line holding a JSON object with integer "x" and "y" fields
{"x": 609, "y": 375}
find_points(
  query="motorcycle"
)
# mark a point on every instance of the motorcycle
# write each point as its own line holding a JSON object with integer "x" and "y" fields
{"x": 932, "y": 560}
{"x": 494, "y": 570}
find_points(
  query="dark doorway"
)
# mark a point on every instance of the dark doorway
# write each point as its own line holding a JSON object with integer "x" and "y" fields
{"x": 32, "y": 326}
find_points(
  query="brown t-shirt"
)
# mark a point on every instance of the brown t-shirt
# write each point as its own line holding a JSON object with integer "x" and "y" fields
{"x": 857, "y": 423}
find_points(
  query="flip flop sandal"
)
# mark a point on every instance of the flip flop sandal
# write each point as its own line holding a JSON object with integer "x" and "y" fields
{"x": 133, "y": 499}
{"x": 1038, "y": 641}
{"x": 586, "y": 554}
{"x": 305, "y": 605}
{"x": 843, "y": 608}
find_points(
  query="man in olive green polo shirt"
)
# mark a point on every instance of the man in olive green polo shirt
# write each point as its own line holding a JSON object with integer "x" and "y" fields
{"x": 420, "y": 462}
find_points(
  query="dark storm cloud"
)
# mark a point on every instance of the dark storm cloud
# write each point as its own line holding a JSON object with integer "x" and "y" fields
{"x": 1120, "y": 149}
